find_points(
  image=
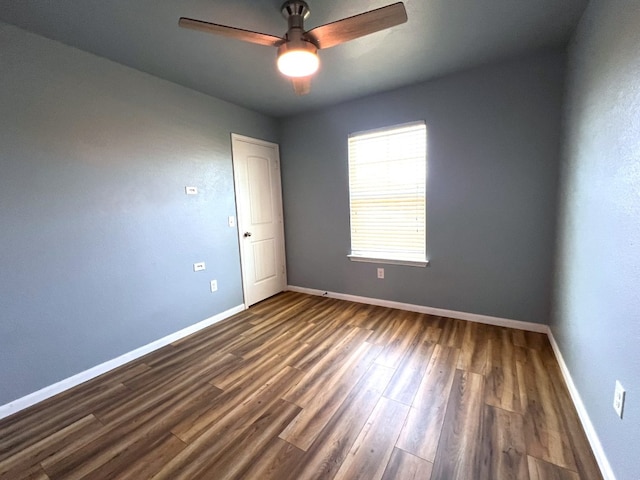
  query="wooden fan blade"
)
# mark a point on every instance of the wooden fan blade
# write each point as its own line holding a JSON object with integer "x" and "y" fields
{"x": 224, "y": 30}
{"x": 341, "y": 31}
{"x": 301, "y": 85}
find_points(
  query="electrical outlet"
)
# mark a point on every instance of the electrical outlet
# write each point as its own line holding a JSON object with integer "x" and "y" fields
{"x": 214, "y": 286}
{"x": 618, "y": 399}
{"x": 381, "y": 273}
{"x": 198, "y": 266}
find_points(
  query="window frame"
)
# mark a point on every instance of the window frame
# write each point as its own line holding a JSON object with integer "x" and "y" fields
{"x": 388, "y": 259}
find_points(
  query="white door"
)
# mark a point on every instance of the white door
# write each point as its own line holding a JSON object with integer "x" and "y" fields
{"x": 256, "y": 171}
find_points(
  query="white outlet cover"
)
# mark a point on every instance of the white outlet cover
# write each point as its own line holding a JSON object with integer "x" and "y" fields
{"x": 618, "y": 399}
{"x": 214, "y": 286}
{"x": 381, "y": 273}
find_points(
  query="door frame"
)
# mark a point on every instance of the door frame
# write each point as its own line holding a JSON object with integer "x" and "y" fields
{"x": 234, "y": 138}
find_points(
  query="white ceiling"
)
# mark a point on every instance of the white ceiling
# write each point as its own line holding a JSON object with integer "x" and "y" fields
{"x": 440, "y": 37}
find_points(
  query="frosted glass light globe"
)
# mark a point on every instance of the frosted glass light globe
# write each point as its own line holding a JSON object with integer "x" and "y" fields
{"x": 298, "y": 63}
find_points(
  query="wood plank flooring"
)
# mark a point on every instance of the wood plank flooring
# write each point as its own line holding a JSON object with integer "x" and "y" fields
{"x": 301, "y": 387}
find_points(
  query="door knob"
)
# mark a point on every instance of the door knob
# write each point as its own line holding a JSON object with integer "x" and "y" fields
{"x": 247, "y": 234}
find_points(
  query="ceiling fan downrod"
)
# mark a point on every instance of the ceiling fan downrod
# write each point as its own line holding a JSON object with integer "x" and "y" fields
{"x": 295, "y": 11}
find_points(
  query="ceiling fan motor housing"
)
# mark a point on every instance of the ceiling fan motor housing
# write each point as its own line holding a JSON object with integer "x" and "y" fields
{"x": 296, "y": 42}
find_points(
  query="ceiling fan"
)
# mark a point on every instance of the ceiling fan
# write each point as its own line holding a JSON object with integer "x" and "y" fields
{"x": 297, "y": 49}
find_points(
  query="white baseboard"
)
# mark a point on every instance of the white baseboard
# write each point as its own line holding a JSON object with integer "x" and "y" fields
{"x": 472, "y": 317}
{"x": 59, "y": 387}
{"x": 592, "y": 436}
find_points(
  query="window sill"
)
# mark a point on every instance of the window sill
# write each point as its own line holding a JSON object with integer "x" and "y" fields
{"x": 388, "y": 261}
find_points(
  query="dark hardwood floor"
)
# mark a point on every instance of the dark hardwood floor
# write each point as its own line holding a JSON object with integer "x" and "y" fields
{"x": 303, "y": 387}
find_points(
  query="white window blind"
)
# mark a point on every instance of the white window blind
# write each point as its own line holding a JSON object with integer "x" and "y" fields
{"x": 387, "y": 193}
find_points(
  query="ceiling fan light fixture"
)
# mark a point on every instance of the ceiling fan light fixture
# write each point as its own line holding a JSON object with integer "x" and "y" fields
{"x": 298, "y": 48}
{"x": 298, "y": 59}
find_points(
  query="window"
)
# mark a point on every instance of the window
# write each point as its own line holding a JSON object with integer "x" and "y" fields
{"x": 387, "y": 194}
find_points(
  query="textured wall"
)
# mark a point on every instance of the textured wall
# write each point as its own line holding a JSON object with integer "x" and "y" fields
{"x": 493, "y": 155}
{"x": 597, "y": 313}
{"x": 97, "y": 237}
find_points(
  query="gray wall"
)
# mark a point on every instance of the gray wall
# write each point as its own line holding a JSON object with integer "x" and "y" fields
{"x": 97, "y": 237}
{"x": 597, "y": 313}
{"x": 493, "y": 156}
